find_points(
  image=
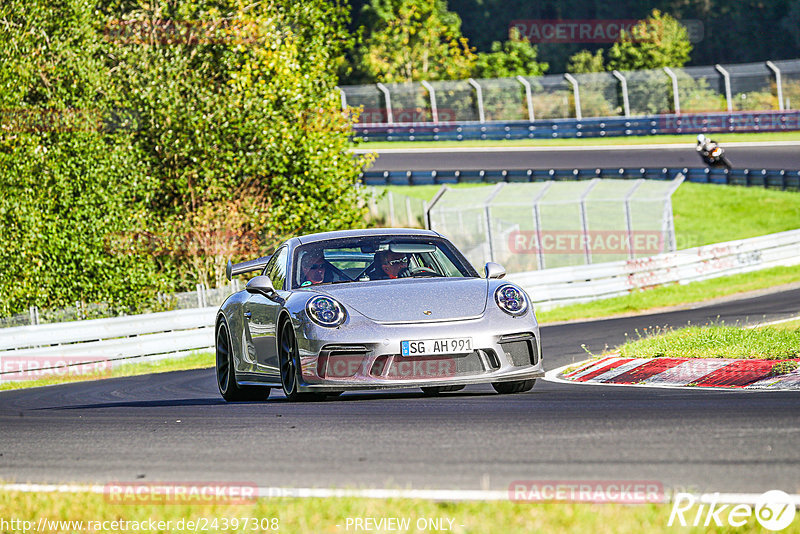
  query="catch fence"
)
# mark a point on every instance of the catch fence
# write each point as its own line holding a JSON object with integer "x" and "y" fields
{"x": 763, "y": 86}
{"x": 543, "y": 225}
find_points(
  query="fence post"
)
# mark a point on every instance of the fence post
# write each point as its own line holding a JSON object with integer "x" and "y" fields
{"x": 528, "y": 97}
{"x": 429, "y": 207}
{"x": 585, "y": 223}
{"x": 676, "y": 99}
{"x": 727, "y": 79}
{"x": 628, "y": 221}
{"x": 778, "y": 82}
{"x": 390, "y": 199}
{"x": 487, "y": 209}
{"x": 479, "y": 95}
{"x": 34, "y": 314}
{"x": 432, "y": 95}
{"x": 343, "y": 98}
{"x": 537, "y": 222}
{"x": 669, "y": 222}
{"x": 626, "y": 105}
{"x": 575, "y": 91}
{"x": 388, "y": 99}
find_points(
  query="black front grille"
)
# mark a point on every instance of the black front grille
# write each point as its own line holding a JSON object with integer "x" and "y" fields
{"x": 520, "y": 349}
{"x": 430, "y": 367}
{"x": 341, "y": 361}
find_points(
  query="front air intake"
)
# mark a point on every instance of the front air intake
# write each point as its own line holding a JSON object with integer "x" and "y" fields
{"x": 520, "y": 349}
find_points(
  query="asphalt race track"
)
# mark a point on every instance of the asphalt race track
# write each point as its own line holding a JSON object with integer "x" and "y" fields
{"x": 742, "y": 156}
{"x": 175, "y": 427}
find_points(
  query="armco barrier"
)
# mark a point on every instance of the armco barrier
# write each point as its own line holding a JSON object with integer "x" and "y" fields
{"x": 118, "y": 338}
{"x": 772, "y": 178}
{"x": 140, "y": 337}
{"x": 550, "y": 288}
{"x": 742, "y": 122}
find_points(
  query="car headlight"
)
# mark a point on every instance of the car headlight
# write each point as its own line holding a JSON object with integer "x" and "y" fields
{"x": 511, "y": 300}
{"x": 325, "y": 311}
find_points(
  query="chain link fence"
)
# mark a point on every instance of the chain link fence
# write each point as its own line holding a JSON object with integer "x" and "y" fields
{"x": 718, "y": 88}
{"x": 393, "y": 210}
{"x": 542, "y": 225}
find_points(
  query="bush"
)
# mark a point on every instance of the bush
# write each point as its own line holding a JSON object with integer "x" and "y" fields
{"x": 207, "y": 122}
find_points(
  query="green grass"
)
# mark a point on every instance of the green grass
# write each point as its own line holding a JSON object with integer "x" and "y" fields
{"x": 193, "y": 361}
{"x": 673, "y": 295}
{"x": 331, "y": 515}
{"x": 767, "y": 137}
{"x": 714, "y": 341}
{"x": 706, "y": 214}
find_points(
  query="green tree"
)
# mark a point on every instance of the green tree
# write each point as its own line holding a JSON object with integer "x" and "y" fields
{"x": 585, "y": 62}
{"x": 141, "y": 148}
{"x": 514, "y": 57}
{"x": 411, "y": 40}
{"x": 244, "y": 98}
{"x": 70, "y": 184}
{"x": 658, "y": 41}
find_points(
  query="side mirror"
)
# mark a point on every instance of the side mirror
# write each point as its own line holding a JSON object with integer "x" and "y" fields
{"x": 494, "y": 270}
{"x": 262, "y": 285}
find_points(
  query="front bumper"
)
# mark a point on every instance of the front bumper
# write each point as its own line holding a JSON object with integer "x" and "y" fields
{"x": 367, "y": 355}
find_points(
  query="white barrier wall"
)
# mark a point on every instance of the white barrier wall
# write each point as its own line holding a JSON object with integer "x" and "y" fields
{"x": 550, "y": 288}
{"x": 113, "y": 340}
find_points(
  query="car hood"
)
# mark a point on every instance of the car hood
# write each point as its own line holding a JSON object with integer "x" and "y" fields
{"x": 408, "y": 300}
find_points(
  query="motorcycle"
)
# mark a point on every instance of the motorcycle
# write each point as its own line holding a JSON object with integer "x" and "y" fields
{"x": 712, "y": 154}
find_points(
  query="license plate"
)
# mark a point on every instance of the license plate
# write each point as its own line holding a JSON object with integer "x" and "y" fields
{"x": 430, "y": 347}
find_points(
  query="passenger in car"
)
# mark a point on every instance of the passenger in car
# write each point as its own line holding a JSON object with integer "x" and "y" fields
{"x": 314, "y": 269}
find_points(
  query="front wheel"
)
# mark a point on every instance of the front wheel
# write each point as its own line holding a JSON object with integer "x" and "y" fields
{"x": 226, "y": 374}
{"x": 289, "y": 360}
{"x": 519, "y": 386}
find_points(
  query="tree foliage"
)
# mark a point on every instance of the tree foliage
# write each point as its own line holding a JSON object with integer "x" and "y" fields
{"x": 734, "y": 31}
{"x": 514, "y": 57}
{"x": 658, "y": 41}
{"x": 212, "y": 125}
{"x": 584, "y": 62}
{"x": 411, "y": 40}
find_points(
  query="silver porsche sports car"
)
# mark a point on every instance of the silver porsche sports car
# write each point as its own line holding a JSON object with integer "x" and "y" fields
{"x": 373, "y": 309}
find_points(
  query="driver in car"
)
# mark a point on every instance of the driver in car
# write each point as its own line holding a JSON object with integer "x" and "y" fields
{"x": 388, "y": 265}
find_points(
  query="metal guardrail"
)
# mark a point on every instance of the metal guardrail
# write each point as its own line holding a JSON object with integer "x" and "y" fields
{"x": 200, "y": 298}
{"x": 550, "y": 288}
{"x": 741, "y": 122}
{"x": 118, "y": 338}
{"x": 772, "y": 178}
{"x": 156, "y": 335}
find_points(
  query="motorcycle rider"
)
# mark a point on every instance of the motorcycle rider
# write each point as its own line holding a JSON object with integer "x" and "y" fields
{"x": 705, "y": 145}
{"x": 711, "y": 152}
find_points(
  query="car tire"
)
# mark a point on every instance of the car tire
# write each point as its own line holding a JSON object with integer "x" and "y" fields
{"x": 519, "y": 386}
{"x": 289, "y": 361}
{"x": 226, "y": 373}
{"x": 434, "y": 391}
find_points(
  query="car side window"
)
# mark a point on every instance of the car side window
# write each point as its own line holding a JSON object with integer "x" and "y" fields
{"x": 276, "y": 268}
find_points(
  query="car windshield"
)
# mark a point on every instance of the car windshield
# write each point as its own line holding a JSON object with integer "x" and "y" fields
{"x": 365, "y": 259}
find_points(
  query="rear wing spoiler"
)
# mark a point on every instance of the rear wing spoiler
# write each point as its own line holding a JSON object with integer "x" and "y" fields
{"x": 232, "y": 270}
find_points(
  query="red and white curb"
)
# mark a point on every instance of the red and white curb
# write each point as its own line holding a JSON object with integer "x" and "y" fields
{"x": 680, "y": 372}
